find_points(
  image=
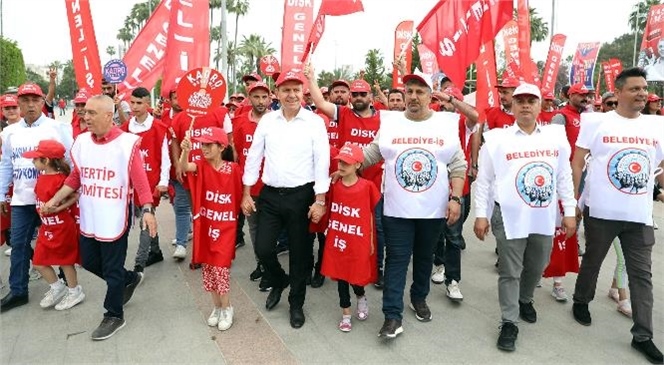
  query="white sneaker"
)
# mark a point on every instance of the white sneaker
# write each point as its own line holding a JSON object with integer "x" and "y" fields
{"x": 174, "y": 242}
{"x": 180, "y": 252}
{"x": 225, "y": 319}
{"x": 559, "y": 293}
{"x": 190, "y": 235}
{"x": 213, "y": 319}
{"x": 8, "y": 252}
{"x": 453, "y": 291}
{"x": 71, "y": 299}
{"x": 53, "y": 296}
{"x": 362, "y": 308}
{"x": 438, "y": 276}
{"x": 33, "y": 274}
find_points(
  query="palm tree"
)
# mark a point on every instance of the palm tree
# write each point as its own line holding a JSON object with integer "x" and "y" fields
{"x": 125, "y": 36}
{"x": 639, "y": 15}
{"x": 539, "y": 29}
{"x": 239, "y": 8}
{"x": 254, "y": 47}
{"x": 214, "y": 4}
{"x": 110, "y": 50}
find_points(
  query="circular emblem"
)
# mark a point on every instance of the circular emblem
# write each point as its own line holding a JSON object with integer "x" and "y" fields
{"x": 416, "y": 170}
{"x": 115, "y": 71}
{"x": 534, "y": 184}
{"x": 629, "y": 171}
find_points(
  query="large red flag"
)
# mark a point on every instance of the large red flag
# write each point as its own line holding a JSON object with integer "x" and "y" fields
{"x": 298, "y": 19}
{"x": 553, "y": 60}
{"x": 487, "y": 94}
{"x": 87, "y": 65}
{"x": 188, "y": 41}
{"x": 145, "y": 57}
{"x": 653, "y": 32}
{"x": 402, "y": 36}
{"x": 455, "y": 31}
{"x": 329, "y": 7}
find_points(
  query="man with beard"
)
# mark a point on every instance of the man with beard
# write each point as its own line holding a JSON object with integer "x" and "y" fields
{"x": 122, "y": 108}
{"x": 358, "y": 125}
{"x": 570, "y": 115}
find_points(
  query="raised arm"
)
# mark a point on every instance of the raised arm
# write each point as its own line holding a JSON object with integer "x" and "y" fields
{"x": 324, "y": 106}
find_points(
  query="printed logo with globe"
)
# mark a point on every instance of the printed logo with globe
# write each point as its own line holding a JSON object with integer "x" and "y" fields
{"x": 534, "y": 184}
{"x": 629, "y": 171}
{"x": 416, "y": 170}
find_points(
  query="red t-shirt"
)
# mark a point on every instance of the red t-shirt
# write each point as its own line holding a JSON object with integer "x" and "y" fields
{"x": 572, "y": 125}
{"x": 379, "y": 106}
{"x": 496, "y": 117}
{"x": 351, "y": 231}
{"x": 545, "y": 117}
{"x": 356, "y": 129}
{"x": 216, "y": 198}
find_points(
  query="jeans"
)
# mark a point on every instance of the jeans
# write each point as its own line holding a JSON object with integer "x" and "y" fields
{"x": 448, "y": 248}
{"x": 380, "y": 234}
{"x": 24, "y": 222}
{"x": 182, "y": 209}
{"x": 405, "y": 238}
{"x": 344, "y": 293}
{"x": 146, "y": 244}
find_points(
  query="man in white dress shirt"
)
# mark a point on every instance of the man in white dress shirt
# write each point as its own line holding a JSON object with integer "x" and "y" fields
{"x": 527, "y": 168}
{"x": 293, "y": 143}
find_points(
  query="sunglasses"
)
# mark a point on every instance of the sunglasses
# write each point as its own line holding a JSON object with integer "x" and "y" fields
{"x": 362, "y": 94}
{"x": 611, "y": 103}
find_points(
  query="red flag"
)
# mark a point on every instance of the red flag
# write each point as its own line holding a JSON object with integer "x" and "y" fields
{"x": 553, "y": 60}
{"x": 455, "y": 30}
{"x": 145, "y": 57}
{"x": 487, "y": 94}
{"x": 427, "y": 60}
{"x": 402, "y": 36}
{"x": 298, "y": 20}
{"x": 188, "y": 41}
{"x": 329, "y": 7}
{"x": 512, "y": 70}
{"x": 511, "y": 39}
{"x": 608, "y": 76}
{"x": 84, "y": 45}
{"x": 652, "y": 33}
{"x": 616, "y": 66}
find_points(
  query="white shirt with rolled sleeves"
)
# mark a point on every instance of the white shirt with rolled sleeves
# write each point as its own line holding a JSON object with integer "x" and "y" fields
{"x": 136, "y": 127}
{"x": 526, "y": 174}
{"x": 624, "y": 156}
{"x": 296, "y": 152}
{"x": 19, "y": 138}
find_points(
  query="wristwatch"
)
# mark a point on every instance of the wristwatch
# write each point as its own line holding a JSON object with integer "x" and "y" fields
{"x": 147, "y": 210}
{"x": 320, "y": 202}
{"x": 455, "y": 199}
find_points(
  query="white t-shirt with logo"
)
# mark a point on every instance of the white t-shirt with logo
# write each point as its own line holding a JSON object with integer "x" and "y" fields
{"x": 624, "y": 156}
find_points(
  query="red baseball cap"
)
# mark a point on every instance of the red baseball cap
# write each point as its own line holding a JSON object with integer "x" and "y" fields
{"x": 653, "y": 97}
{"x": 350, "y": 154}
{"x": 290, "y": 75}
{"x": 48, "y": 148}
{"x": 548, "y": 96}
{"x": 324, "y": 90}
{"x": 81, "y": 97}
{"x": 579, "y": 88}
{"x": 509, "y": 82}
{"x": 30, "y": 89}
{"x": 8, "y": 100}
{"x": 340, "y": 83}
{"x": 259, "y": 85}
{"x": 455, "y": 92}
{"x": 213, "y": 135}
{"x": 360, "y": 86}
{"x": 252, "y": 76}
{"x": 419, "y": 78}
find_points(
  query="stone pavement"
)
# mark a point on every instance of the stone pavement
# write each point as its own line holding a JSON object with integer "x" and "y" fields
{"x": 166, "y": 320}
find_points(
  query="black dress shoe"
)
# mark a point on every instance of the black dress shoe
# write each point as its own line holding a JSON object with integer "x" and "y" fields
{"x": 275, "y": 295}
{"x": 647, "y": 348}
{"x": 153, "y": 258}
{"x": 12, "y": 301}
{"x": 527, "y": 312}
{"x": 296, "y": 317}
{"x": 318, "y": 280}
{"x": 581, "y": 314}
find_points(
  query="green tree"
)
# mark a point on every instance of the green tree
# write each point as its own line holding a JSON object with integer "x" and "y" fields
{"x": 539, "y": 29}
{"x": 416, "y": 53}
{"x": 639, "y": 15}
{"x": 67, "y": 86}
{"x": 239, "y": 8}
{"x": 110, "y": 50}
{"x": 374, "y": 69}
{"x": 253, "y": 48}
{"x": 32, "y": 76}
{"x": 12, "y": 67}
{"x": 326, "y": 78}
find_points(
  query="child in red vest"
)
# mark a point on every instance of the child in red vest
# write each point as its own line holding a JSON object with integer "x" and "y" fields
{"x": 350, "y": 254}
{"x": 57, "y": 241}
{"x": 216, "y": 190}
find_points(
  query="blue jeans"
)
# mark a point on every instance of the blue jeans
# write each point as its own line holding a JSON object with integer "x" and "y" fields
{"x": 380, "y": 234}
{"x": 182, "y": 209}
{"x": 448, "y": 247}
{"x": 405, "y": 238}
{"x": 24, "y": 222}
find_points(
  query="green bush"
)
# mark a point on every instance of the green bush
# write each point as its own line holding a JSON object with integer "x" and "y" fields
{"x": 12, "y": 67}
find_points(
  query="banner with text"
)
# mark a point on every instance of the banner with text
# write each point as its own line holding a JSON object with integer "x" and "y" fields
{"x": 87, "y": 65}
{"x": 510, "y": 34}
{"x": 651, "y": 57}
{"x": 487, "y": 93}
{"x": 583, "y": 64}
{"x": 427, "y": 60}
{"x": 553, "y": 60}
{"x": 402, "y": 48}
{"x": 298, "y": 20}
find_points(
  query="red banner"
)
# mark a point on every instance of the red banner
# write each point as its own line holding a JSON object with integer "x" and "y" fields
{"x": 616, "y": 66}
{"x": 553, "y": 60}
{"x": 84, "y": 45}
{"x": 427, "y": 60}
{"x": 608, "y": 76}
{"x": 487, "y": 93}
{"x": 402, "y": 37}
{"x": 583, "y": 64}
{"x": 511, "y": 39}
{"x": 455, "y": 31}
{"x": 523, "y": 20}
{"x": 512, "y": 70}
{"x": 329, "y": 7}
{"x": 298, "y": 20}
{"x": 188, "y": 41}
{"x": 651, "y": 35}
{"x": 145, "y": 57}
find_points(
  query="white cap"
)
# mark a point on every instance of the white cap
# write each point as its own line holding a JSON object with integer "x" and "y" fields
{"x": 527, "y": 89}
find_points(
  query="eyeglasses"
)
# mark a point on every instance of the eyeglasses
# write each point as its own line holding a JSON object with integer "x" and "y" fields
{"x": 362, "y": 94}
{"x": 611, "y": 103}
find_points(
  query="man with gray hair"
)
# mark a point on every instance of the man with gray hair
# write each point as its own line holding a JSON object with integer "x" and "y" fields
{"x": 609, "y": 102}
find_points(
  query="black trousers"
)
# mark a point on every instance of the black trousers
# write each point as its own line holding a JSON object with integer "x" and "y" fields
{"x": 286, "y": 208}
{"x": 106, "y": 260}
{"x": 344, "y": 293}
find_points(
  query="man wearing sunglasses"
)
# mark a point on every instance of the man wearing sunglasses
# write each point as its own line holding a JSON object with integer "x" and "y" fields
{"x": 609, "y": 102}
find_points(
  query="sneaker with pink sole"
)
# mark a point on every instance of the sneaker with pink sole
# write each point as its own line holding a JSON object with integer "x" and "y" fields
{"x": 345, "y": 324}
{"x": 362, "y": 308}
{"x": 625, "y": 307}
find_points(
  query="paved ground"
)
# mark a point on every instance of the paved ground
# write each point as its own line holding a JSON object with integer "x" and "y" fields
{"x": 166, "y": 321}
